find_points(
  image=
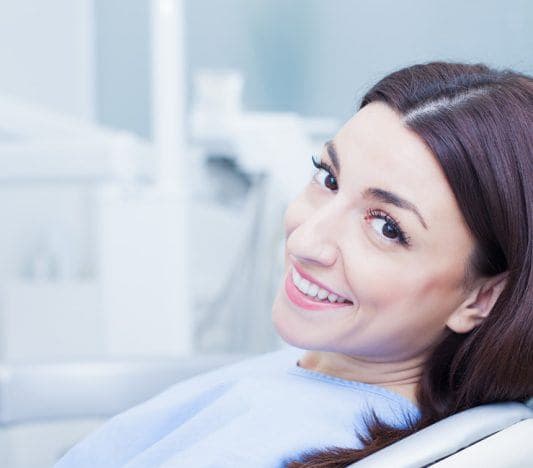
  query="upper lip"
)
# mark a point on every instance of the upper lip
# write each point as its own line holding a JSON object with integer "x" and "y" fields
{"x": 308, "y": 277}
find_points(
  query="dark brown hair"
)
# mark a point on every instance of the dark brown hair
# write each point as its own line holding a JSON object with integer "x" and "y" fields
{"x": 478, "y": 123}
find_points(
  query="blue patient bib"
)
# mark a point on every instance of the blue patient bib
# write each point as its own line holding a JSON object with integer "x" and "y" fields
{"x": 257, "y": 413}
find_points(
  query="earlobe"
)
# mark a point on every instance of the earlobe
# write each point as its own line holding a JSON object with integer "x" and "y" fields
{"x": 478, "y": 304}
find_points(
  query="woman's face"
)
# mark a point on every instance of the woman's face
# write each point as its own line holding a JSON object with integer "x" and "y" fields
{"x": 401, "y": 296}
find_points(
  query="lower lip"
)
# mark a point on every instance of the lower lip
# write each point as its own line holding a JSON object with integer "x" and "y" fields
{"x": 305, "y": 302}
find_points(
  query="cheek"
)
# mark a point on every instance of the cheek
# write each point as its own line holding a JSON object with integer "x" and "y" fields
{"x": 401, "y": 312}
{"x": 384, "y": 276}
{"x": 406, "y": 295}
{"x": 375, "y": 279}
{"x": 423, "y": 303}
{"x": 439, "y": 294}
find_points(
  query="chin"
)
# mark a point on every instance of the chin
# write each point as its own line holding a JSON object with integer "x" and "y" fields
{"x": 289, "y": 331}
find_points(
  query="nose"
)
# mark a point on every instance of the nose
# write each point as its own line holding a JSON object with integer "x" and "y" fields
{"x": 314, "y": 240}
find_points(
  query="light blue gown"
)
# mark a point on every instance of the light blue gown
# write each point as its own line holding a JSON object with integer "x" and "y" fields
{"x": 259, "y": 412}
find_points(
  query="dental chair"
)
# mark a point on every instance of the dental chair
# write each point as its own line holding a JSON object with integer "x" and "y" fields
{"x": 39, "y": 396}
{"x": 488, "y": 436}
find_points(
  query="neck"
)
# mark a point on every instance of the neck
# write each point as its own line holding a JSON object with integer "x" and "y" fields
{"x": 400, "y": 376}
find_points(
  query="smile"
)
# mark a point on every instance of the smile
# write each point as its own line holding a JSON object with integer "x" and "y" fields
{"x": 311, "y": 296}
{"x": 313, "y": 290}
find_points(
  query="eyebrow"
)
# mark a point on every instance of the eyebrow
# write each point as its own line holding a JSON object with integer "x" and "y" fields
{"x": 379, "y": 194}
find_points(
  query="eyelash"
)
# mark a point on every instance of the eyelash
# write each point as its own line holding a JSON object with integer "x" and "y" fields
{"x": 323, "y": 165}
{"x": 402, "y": 237}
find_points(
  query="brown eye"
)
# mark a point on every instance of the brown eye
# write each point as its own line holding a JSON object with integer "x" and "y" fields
{"x": 387, "y": 228}
{"x": 389, "y": 231}
{"x": 324, "y": 176}
{"x": 331, "y": 182}
{"x": 326, "y": 179}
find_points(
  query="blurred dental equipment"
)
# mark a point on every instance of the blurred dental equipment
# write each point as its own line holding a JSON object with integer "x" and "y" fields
{"x": 266, "y": 154}
{"x": 275, "y": 143}
{"x": 124, "y": 257}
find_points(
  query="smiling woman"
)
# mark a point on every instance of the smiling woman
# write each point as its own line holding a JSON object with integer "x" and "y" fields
{"x": 420, "y": 213}
{"x": 407, "y": 293}
{"x": 354, "y": 230}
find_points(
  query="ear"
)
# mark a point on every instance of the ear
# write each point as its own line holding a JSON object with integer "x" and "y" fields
{"x": 477, "y": 304}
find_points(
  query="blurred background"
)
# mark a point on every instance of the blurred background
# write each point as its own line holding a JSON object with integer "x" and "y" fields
{"x": 148, "y": 149}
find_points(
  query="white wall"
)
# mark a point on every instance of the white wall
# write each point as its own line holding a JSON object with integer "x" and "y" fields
{"x": 47, "y": 53}
{"x": 47, "y": 59}
{"x": 314, "y": 57}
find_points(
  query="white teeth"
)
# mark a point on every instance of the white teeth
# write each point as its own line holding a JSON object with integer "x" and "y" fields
{"x": 303, "y": 285}
{"x": 322, "y": 294}
{"x": 295, "y": 276}
{"x": 313, "y": 290}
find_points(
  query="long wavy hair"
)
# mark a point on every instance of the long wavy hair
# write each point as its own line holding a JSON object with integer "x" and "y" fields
{"x": 478, "y": 123}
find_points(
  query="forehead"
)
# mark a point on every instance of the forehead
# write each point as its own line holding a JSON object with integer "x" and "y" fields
{"x": 376, "y": 140}
{"x": 376, "y": 149}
